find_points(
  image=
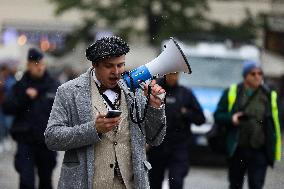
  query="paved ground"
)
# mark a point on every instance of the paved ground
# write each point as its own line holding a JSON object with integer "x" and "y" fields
{"x": 8, "y": 176}
{"x": 199, "y": 177}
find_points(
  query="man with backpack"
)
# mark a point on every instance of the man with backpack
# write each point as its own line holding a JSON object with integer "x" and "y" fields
{"x": 249, "y": 112}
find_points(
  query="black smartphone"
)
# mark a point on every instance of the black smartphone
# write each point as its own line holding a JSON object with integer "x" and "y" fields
{"x": 113, "y": 113}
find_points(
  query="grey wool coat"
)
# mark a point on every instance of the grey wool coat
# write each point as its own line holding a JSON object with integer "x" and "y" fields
{"x": 71, "y": 128}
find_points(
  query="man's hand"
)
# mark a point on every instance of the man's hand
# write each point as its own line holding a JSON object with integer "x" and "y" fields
{"x": 183, "y": 110}
{"x": 236, "y": 118}
{"x": 156, "y": 89}
{"x": 104, "y": 125}
{"x": 32, "y": 92}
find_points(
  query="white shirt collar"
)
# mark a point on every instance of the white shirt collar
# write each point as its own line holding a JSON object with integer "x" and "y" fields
{"x": 95, "y": 78}
{"x": 109, "y": 93}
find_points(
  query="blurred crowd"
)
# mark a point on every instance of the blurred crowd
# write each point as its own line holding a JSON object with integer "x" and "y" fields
{"x": 7, "y": 80}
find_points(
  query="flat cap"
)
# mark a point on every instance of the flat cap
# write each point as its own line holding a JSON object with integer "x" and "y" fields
{"x": 106, "y": 47}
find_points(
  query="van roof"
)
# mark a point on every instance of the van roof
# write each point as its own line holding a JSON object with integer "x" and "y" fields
{"x": 221, "y": 50}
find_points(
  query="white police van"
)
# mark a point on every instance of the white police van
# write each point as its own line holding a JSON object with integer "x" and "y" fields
{"x": 215, "y": 66}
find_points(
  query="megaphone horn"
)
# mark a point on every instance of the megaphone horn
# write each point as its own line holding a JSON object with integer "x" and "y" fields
{"x": 171, "y": 60}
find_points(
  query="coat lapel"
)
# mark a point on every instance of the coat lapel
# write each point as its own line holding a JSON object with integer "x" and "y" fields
{"x": 98, "y": 101}
{"x": 128, "y": 94}
{"x": 83, "y": 97}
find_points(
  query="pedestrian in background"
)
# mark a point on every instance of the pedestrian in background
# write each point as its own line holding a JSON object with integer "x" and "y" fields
{"x": 182, "y": 109}
{"x": 30, "y": 103}
{"x": 249, "y": 112}
{"x": 104, "y": 152}
{"x": 7, "y": 80}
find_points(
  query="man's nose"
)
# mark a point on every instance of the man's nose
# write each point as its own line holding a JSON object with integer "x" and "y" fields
{"x": 116, "y": 70}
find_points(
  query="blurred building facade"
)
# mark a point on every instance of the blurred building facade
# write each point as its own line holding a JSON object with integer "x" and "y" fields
{"x": 25, "y": 22}
{"x": 274, "y": 28}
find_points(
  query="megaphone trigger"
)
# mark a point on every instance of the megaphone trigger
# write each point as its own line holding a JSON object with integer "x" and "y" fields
{"x": 162, "y": 96}
{"x": 143, "y": 83}
{"x": 142, "y": 86}
{"x": 147, "y": 83}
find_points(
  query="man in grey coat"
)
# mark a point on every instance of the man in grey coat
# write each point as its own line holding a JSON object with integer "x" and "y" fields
{"x": 103, "y": 152}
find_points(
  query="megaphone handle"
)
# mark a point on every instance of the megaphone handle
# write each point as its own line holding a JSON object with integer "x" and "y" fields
{"x": 161, "y": 96}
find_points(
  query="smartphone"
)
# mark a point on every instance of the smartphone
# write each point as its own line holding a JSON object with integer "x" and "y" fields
{"x": 244, "y": 117}
{"x": 113, "y": 113}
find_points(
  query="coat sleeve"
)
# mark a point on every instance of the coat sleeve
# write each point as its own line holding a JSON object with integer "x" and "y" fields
{"x": 18, "y": 101}
{"x": 61, "y": 134}
{"x": 154, "y": 124}
{"x": 194, "y": 112}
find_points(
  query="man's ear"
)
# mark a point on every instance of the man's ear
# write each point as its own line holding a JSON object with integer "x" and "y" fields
{"x": 94, "y": 65}
{"x": 28, "y": 64}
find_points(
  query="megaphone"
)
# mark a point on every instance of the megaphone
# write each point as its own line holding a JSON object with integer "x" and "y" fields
{"x": 171, "y": 60}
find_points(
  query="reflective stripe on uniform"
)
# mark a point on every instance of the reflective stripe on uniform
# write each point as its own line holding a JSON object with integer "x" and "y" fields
{"x": 276, "y": 125}
{"x": 232, "y": 95}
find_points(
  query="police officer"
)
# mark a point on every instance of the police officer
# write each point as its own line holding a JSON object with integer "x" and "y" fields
{"x": 182, "y": 109}
{"x": 30, "y": 102}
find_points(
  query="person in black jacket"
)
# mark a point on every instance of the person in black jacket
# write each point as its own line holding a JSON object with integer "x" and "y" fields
{"x": 182, "y": 109}
{"x": 30, "y": 102}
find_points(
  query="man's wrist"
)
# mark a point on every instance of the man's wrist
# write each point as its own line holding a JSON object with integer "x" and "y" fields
{"x": 158, "y": 106}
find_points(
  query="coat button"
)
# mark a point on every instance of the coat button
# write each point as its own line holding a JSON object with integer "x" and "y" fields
{"x": 111, "y": 165}
{"x": 115, "y": 143}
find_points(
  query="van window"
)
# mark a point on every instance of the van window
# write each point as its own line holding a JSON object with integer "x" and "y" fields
{"x": 212, "y": 72}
